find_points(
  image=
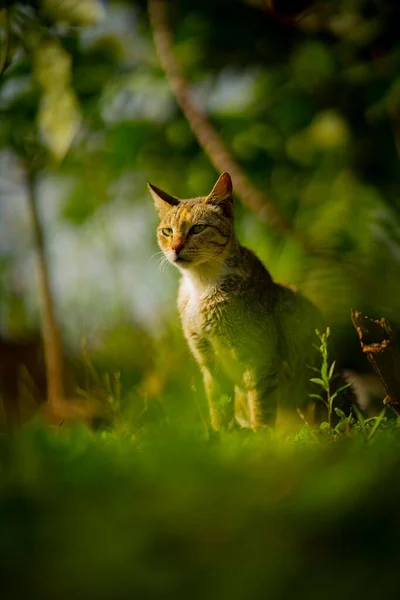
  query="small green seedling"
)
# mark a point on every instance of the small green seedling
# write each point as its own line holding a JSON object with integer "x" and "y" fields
{"x": 327, "y": 373}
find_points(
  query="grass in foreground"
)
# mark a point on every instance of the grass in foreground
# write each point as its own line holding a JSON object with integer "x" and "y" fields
{"x": 159, "y": 516}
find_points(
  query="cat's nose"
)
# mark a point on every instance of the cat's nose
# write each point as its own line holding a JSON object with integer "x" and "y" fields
{"x": 178, "y": 247}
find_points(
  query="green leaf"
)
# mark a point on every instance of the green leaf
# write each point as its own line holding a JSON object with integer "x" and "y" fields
{"x": 379, "y": 420}
{"x": 77, "y": 13}
{"x": 331, "y": 370}
{"x": 59, "y": 116}
{"x": 318, "y": 382}
{"x": 318, "y": 397}
{"x": 324, "y": 373}
{"x": 340, "y": 413}
{"x": 361, "y": 420}
{"x": 59, "y": 120}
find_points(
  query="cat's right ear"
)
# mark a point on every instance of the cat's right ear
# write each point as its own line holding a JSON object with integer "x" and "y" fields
{"x": 162, "y": 200}
{"x": 221, "y": 195}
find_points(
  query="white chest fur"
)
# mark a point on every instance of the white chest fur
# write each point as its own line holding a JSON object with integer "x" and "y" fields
{"x": 193, "y": 297}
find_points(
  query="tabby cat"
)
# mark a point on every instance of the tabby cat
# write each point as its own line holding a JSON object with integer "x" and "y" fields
{"x": 252, "y": 337}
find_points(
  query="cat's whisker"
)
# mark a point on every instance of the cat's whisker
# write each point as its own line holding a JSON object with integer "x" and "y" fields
{"x": 164, "y": 262}
{"x": 159, "y": 253}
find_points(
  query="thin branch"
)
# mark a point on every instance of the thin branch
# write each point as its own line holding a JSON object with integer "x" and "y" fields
{"x": 6, "y": 50}
{"x": 50, "y": 329}
{"x": 208, "y": 138}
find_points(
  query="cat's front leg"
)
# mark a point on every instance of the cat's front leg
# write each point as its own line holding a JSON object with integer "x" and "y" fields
{"x": 220, "y": 397}
{"x": 262, "y": 398}
{"x": 219, "y": 388}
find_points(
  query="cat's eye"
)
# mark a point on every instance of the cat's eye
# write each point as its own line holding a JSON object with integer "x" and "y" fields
{"x": 197, "y": 228}
{"x": 167, "y": 231}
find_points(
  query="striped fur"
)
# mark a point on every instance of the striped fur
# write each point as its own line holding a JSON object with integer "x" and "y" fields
{"x": 253, "y": 338}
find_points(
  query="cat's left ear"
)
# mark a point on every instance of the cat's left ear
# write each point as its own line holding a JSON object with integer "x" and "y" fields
{"x": 162, "y": 200}
{"x": 221, "y": 194}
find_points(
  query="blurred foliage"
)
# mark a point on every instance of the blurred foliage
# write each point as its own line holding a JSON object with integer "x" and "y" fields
{"x": 118, "y": 517}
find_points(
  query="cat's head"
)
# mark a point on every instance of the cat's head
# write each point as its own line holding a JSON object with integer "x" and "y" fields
{"x": 198, "y": 231}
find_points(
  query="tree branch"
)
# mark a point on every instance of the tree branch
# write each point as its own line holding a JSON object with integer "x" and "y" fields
{"x": 379, "y": 344}
{"x": 208, "y": 138}
{"x": 6, "y": 49}
{"x": 50, "y": 330}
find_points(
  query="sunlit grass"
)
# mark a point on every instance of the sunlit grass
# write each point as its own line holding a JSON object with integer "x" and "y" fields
{"x": 165, "y": 514}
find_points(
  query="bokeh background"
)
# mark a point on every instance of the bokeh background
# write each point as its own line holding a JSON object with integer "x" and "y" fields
{"x": 305, "y": 97}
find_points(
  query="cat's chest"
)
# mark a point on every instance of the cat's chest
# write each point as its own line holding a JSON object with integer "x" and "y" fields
{"x": 191, "y": 312}
{"x": 200, "y": 309}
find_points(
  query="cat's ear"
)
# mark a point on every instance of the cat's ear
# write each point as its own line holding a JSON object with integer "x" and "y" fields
{"x": 162, "y": 200}
{"x": 221, "y": 194}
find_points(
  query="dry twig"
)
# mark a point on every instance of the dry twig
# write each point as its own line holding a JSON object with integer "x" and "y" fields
{"x": 379, "y": 344}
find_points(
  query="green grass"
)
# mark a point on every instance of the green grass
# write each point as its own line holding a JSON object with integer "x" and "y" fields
{"x": 153, "y": 509}
{"x": 164, "y": 515}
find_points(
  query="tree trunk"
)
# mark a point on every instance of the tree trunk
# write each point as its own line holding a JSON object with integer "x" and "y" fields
{"x": 50, "y": 330}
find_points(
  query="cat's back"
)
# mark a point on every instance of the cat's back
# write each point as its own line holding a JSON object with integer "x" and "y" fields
{"x": 259, "y": 309}
{"x": 258, "y": 288}
{"x": 247, "y": 278}
{"x": 278, "y": 314}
